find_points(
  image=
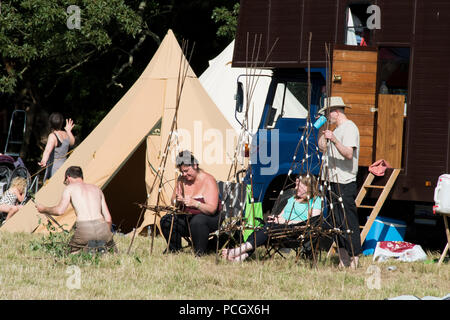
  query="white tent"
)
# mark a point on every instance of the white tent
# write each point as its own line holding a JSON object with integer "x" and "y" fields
{"x": 220, "y": 81}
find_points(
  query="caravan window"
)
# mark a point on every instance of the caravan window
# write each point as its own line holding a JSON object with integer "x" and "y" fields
{"x": 290, "y": 101}
{"x": 394, "y": 71}
{"x": 357, "y": 33}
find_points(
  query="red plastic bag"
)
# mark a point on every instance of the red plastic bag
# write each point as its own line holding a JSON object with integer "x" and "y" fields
{"x": 401, "y": 250}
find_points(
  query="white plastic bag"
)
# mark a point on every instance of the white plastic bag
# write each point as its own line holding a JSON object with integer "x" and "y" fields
{"x": 401, "y": 250}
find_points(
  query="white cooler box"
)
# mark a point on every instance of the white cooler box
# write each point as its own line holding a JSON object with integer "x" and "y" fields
{"x": 442, "y": 195}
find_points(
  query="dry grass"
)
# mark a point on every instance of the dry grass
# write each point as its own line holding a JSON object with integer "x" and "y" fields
{"x": 28, "y": 271}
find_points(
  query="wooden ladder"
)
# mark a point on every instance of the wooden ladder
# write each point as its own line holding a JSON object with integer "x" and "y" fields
{"x": 377, "y": 207}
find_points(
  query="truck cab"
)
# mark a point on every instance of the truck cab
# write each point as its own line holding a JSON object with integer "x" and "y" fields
{"x": 279, "y": 136}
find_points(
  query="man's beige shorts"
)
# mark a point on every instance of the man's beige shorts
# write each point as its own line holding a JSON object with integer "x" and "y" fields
{"x": 91, "y": 230}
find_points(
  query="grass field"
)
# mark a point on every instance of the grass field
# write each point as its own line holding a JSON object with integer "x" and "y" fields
{"x": 34, "y": 267}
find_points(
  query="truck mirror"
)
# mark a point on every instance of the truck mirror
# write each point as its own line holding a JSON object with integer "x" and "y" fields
{"x": 271, "y": 117}
{"x": 239, "y": 97}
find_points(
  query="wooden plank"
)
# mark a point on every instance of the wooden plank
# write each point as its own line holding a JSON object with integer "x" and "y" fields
{"x": 373, "y": 186}
{"x": 365, "y": 160}
{"x": 390, "y": 129}
{"x": 352, "y": 55}
{"x": 354, "y": 66}
{"x": 366, "y": 130}
{"x": 361, "y": 98}
{"x": 363, "y": 191}
{"x": 365, "y": 151}
{"x": 358, "y": 77}
{"x": 365, "y": 141}
{"x": 353, "y": 87}
{"x": 361, "y": 119}
{"x": 366, "y": 207}
{"x": 360, "y": 108}
{"x": 365, "y": 156}
{"x": 447, "y": 232}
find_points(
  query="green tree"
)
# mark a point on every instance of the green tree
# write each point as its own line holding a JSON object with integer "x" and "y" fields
{"x": 227, "y": 18}
{"x": 35, "y": 35}
{"x": 43, "y": 50}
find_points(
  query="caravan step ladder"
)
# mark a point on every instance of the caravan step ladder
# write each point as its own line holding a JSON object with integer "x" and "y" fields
{"x": 377, "y": 207}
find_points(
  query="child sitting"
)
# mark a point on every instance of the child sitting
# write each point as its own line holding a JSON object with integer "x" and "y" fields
{"x": 11, "y": 199}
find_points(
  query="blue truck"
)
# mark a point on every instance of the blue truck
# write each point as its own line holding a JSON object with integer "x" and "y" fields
{"x": 277, "y": 149}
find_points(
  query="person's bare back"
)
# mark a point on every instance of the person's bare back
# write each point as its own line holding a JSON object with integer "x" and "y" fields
{"x": 87, "y": 201}
{"x": 93, "y": 218}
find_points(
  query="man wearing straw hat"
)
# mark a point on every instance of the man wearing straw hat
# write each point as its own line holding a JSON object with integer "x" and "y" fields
{"x": 341, "y": 147}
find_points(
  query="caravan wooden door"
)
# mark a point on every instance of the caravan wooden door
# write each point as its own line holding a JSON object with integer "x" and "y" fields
{"x": 354, "y": 77}
{"x": 390, "y": 128}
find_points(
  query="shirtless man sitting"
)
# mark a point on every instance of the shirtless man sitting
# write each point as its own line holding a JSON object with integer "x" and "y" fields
{"x": 93, "y": 217}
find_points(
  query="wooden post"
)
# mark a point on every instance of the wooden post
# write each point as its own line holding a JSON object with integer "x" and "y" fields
{"x": 447, "y": 231}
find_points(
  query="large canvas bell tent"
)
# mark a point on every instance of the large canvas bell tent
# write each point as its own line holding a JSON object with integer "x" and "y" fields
{"x": 123, "y": 153}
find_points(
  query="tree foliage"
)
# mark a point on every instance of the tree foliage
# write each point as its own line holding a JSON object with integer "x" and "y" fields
{"x": 36, "y": 44}
{"x": 228, "y": 20}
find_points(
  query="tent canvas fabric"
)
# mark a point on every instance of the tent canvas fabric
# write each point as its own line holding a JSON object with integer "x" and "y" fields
{"x": 221, "y": 75}
{"x": 122, "y": 153}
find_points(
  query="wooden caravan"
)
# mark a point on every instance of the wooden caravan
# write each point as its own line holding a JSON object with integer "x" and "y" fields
{"x": 395, "y": 75}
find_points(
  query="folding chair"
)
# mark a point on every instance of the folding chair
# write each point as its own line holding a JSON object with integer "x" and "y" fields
{"x": 230, "y": 210}
{"x": 304, "y": 238}
{"x": 232, "y": 197}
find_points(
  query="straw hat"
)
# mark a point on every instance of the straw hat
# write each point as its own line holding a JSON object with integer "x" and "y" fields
{"x": 335, "y": 102}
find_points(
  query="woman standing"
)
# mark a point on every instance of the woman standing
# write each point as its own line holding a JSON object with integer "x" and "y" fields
{"x": 58, "y": 144}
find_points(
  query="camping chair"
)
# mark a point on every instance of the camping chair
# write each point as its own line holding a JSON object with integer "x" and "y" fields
{"x": 232, "y": 197}
{"x": 304, "y": 238}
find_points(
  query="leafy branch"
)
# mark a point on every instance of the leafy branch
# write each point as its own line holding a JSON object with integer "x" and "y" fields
{"x": 228, "y": 19}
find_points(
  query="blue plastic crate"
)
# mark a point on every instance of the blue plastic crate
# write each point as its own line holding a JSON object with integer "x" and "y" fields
{"x": 383, "y": 229}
